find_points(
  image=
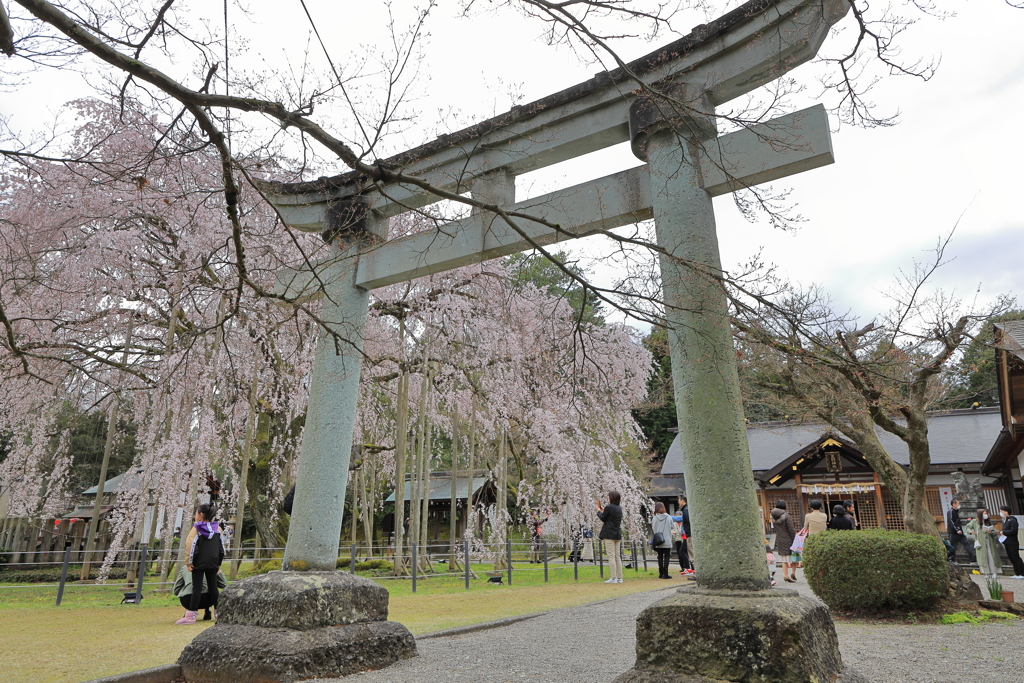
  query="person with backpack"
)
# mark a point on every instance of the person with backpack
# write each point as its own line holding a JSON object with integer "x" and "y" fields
{"x": 661, "y": 538}
{"x": 204, "y": 550}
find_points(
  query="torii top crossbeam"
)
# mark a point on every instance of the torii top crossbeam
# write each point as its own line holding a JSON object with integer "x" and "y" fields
{"x": 740, "y": 51}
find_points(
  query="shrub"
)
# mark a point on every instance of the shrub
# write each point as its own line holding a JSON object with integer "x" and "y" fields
{"x": 342, "y": 563}
{"x": 267, "y": 566}
{"x": 368, "y": 565}
{"x": 875, "y": 569}
{"x": 52, "y": 575}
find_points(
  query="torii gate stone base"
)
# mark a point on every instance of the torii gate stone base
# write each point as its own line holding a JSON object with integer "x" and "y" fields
{"x": 310, "y": 621}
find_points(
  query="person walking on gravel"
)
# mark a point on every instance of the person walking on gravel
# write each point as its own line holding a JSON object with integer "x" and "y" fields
{"x": 785, "y": 533}
{"x": 955, "y": 529}
{"x": 611, "y": 534}
{"x": 205, "y": 553}
{"x": 662, "y": 525}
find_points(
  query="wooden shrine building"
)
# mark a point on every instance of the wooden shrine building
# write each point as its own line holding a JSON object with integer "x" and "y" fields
{"x": 1006, "y": 456}
{"x": 801, "y": 461}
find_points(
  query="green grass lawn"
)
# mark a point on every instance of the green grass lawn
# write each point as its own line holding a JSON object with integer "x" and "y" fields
{"x": 90, "y": 635}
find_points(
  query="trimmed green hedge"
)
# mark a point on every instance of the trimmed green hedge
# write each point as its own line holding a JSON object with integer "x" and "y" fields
{"x": 875, "y": 569}
{"x": 342, "y": 563}
{"x": 52, "y": 574}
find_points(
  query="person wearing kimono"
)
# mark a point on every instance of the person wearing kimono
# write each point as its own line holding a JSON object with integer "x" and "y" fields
{"x": 983, "y": 536}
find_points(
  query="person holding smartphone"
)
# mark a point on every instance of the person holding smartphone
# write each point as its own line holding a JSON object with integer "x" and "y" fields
{"x": 611, "y": 534}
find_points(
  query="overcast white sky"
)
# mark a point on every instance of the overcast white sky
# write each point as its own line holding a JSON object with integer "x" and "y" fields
{"x": 891, "y": 194}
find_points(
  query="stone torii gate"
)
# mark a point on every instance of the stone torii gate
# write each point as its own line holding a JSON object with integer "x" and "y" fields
{"x": 671, "y": 125}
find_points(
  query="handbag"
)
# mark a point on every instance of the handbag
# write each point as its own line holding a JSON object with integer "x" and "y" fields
{"x": 657, "y": 539}
{"x": 798, "y": 541}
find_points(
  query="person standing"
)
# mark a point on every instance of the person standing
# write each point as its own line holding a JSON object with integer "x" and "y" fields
{"x": 983, "y": 536}
{"x": 611, "y": 534}
{"x": 815, "y": 521}
{"x": 205, "y": 553}
{"x": 1012, "y": 542}
{"x": 686, "y": 539}
{"x": 848, "y": 508}
{"x": 955, "y": 529}
{"x": 785, "y": 532}
{"x": 839, "y": 521}
{"x": 662, "y": 524}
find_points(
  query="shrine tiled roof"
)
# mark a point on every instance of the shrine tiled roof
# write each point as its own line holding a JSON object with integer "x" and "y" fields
{"x": 1013, "y": 337}
{"x": 955, "y": 436}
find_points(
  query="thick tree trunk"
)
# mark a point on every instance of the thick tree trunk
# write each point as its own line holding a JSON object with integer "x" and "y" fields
{"x": 907, "y": 488}
{"x": 401, "y": 435}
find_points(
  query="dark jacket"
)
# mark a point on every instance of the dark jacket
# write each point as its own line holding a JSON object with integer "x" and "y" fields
{"x": 840, "y": 523}
{"x": 953, "y": 523}
{"x": 612, "y": 518}
{"x": 785, "y": 531}
{"x": 206, "y": 553}
{"x": 1010, "y": 527}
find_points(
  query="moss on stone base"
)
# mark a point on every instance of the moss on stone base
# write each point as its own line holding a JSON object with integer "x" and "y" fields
{"x": 736, "y": 636}
{"x": 229, "y": 653}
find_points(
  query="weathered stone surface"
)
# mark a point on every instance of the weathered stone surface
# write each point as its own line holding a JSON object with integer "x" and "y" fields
{"x": 1000, "y": 606}
{"x": 302, "y": 600}
{"x": 959, "y": 585}
{"x": 634, "y": 676}
{"x": 230, "y": 653}
{"x": 721, "y": 635}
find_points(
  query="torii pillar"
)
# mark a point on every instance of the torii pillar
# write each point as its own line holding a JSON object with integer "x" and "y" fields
{"x": 732, "y": 626}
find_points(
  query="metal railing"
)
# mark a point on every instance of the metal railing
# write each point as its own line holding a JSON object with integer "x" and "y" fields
{"x": 417, "y": 562}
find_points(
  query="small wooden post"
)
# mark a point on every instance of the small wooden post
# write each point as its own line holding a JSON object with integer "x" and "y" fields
{"x": 465, "y": 550}
{"x": 414, "y": 567}
{"x": 544, "y": 546}
{"x": 63, "y": 574}
{"x": 352, "y": 566}
{"x": 576, "y": 560}
{"x": 142, "y": 573}
{"x": 879, "y": 502}
{"x": 508, "y": 558}
{"x": 600, "y": 557}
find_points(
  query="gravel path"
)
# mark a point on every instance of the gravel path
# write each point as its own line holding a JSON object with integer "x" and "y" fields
{"x": 594, "y": 643}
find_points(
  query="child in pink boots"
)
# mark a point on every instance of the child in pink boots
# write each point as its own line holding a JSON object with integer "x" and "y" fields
{"x": 204, "y": 549}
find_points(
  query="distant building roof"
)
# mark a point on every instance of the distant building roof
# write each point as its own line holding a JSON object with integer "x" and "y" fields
{"x": 441, "y": 488}
{"x": 1012, "y": 338}
{"x": 114, "y": 484}
{"x": 955, "y": 436}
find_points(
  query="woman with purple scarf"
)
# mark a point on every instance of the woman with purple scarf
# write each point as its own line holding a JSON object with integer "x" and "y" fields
{"x": 205, "y": 553}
